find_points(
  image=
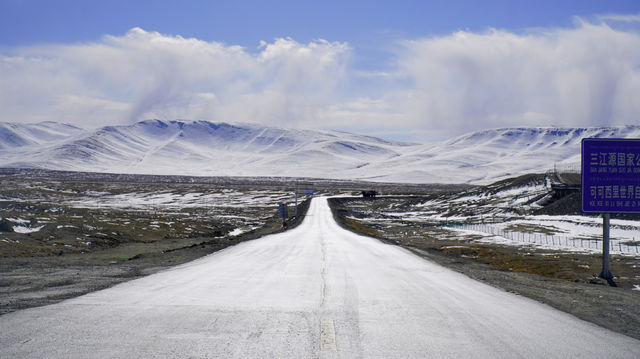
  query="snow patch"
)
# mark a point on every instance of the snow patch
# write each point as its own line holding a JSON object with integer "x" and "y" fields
{"x": 22, "y": 229}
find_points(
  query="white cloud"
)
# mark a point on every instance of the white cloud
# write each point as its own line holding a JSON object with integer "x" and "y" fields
{"x": 585, "y": 76}
{"x": 437, "y": 87}
{"x": 146, "y": 74}
{"x": 620, "y": 17}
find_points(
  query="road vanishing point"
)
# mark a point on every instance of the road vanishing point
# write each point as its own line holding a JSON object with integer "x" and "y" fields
{"x": 316, "y": 291}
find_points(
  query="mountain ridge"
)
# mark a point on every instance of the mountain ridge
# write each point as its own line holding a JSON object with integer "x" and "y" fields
{"x": 203, "y": 148}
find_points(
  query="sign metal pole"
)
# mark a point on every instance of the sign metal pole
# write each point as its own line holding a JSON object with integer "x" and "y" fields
{"x": 606, "y": 273}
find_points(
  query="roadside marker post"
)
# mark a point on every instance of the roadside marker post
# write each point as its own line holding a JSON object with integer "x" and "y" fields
{"x": 610, "y": 170}
{"x": 304, "y": 189}
{"x": 284, "y": 213}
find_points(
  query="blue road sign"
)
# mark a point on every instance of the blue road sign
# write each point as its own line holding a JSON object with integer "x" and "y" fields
{"x": 282, "y": 210}
{"x": 610, "y": 175}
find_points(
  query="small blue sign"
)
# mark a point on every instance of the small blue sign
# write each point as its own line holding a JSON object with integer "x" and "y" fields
{"x": 610, "y": 175}
{"x": 282, "y": 210}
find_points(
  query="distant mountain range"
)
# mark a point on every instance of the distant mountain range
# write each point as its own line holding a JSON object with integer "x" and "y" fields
{"x": 203, "y": 148}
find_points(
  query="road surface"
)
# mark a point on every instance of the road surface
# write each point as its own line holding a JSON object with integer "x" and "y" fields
{"x": 316, "y": 291}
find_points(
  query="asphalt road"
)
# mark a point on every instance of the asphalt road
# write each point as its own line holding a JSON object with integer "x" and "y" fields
{"x": 316, "y": 291}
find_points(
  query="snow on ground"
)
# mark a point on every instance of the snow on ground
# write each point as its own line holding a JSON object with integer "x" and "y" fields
{"x": 503, "y": 215}
{"x": 316, "y": 291}
{"x": 23, "y": 229}
{"x": 563, "y": 243}
{"x": 238, "y": 231}
{"x": 18, "y": 220}
{"x": 154, "y": 211}
{"x": 176, "y": 200}
{"x": 579, "y": 226}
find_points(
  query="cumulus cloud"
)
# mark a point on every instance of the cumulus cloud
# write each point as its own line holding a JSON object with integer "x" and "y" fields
{"x": 584, "y": 76}
{"x": 435, "y": 87}
{"x": 150, "y": 75}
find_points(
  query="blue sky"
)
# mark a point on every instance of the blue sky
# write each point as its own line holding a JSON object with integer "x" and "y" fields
{"x": 245, "y": 23}
{"x": 387, "y": 68}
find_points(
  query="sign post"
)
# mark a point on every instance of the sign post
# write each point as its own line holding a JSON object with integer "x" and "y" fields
{"x": 610, "y": 183}
{"x": 302, "y": 189}
{"x": 605, "y": 273}
{"x": 284, "y": 213}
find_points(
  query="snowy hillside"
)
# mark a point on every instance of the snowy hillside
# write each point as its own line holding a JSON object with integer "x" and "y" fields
{"x": 17, "y": 135}
{"x": 221, "y": 149}
{"x": 198, "y": 148}
{"x": 486, "y": 156}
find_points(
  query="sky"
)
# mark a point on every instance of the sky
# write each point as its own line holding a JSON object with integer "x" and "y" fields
{"x": 408, "y": 70}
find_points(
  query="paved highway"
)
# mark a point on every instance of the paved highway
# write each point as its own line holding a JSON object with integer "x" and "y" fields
{"x": 316, "y": 291}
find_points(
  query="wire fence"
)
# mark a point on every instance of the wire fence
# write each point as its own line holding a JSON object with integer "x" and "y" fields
{"x": 567, "y": 168}
{"x": 616, "y": 246}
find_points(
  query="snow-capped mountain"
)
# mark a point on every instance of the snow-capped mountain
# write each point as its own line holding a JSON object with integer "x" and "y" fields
{"x": 17, "y": 135}
{"x": 221, "y": 149}
{"x": 489, "y": 155}
{"x": 199, "y": 148}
